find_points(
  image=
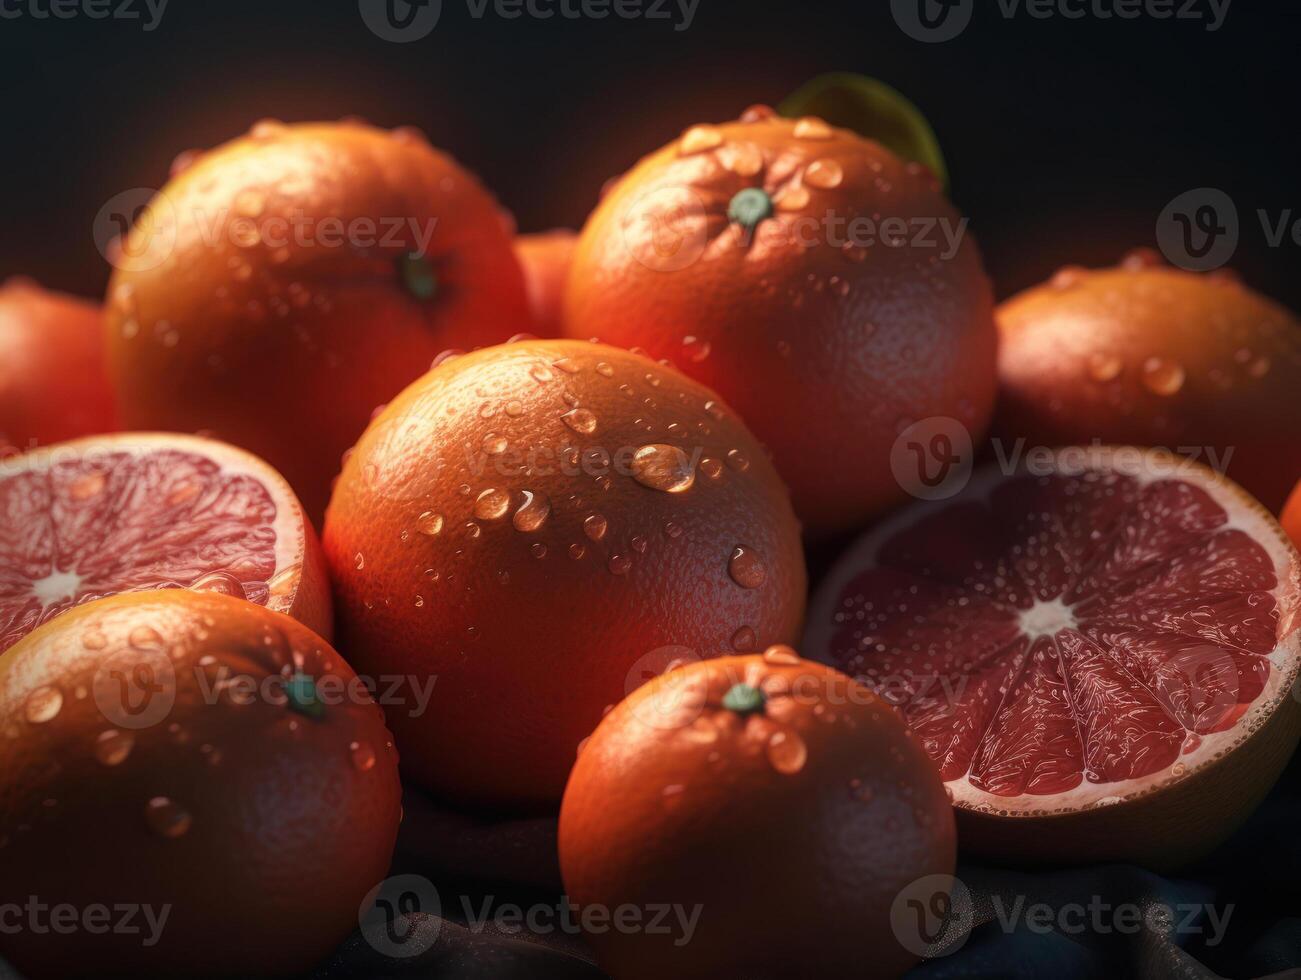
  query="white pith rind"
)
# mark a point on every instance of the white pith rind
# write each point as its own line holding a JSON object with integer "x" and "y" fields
{"x": 1244, "y": 514}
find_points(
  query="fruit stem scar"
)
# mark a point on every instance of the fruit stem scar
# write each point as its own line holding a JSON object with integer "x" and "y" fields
{"x": 744, "y": 699}
{"x": 418, "y": 276}
{"x": 300, "y": 691}
{"x": 749, "y": 206}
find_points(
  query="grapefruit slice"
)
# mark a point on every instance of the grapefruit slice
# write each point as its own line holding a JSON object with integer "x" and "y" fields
{"x": 122, "y": 513}
{"x": 1097, "y": 649}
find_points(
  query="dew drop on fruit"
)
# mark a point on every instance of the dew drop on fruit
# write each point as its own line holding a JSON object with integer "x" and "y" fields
{"x": 742, "y": 158}
{"x": 620, "y": 564}
{"x": 360, "y": 561}
{"x": 711, "y": 467}
{"x": 595, "y": 527}
{"x": 576, "y": 551}
{"x": 1104, "y": 367}
{"x": 581, "y": 420}
{"x": 757, "y": 113}
{"x": 639, "y": 544}
{"x": 93, "y": 639}
{"x": 222, "y": 583}
{"x": 494, "y": 444}
{"x": 514, "y": 409}
{"x": 780, "y": 653}
{"x": 699, "y": 138}
{"x": 744, "y": 640}
{"x": 824, "y": 174}
{"x": 112, "y": 747}
{"x": 145, "y": 638}
{"x": 672, "y": 530}
{"x": 363, "y": 756}
{"x": 787, "y": 752}
{"x": 265, "y": 129}
{"x": 812, "y": 128}
{"x": 793, "y": 199}
{"x": 43, "y": 704}
{"x": 1136, "y": 260}
{"x": 165, "y": 818}
{"x": 492, "y": 504}
{"x": 746, "y": 568}
{"x": 1162, "y": 377}
{"x": 695, "y": 349}
{"x": 532, "y": 513}
{"x": 538, "y": 549}
{"x": 738, "y": 460}
{"x": 541, "y": 373}
{"x": 1068, "y": 276}
{"x": 604, "y": 370}
{"x": 566, "y": 364}
{"x": 445, "y": 356}
{"x": 663, "y": 467}
{"x": 428, "y": 524}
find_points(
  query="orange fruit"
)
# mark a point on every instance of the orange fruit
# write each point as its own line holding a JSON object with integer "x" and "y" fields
{"x": 1291, "y": 516}
{"x": 283, "y": 285}
{"x": 1150, "y": 355}
{"x": 199, "y": 757}
{"x": 1099, "y": 650}
{"x": 53, "y": 385}
{"x": 741, "y": 789}
{"x": 804, "y": 273}
{"x": 545, "y": 259}
{"x": 136, "y": 511}
{"x": 536, "y": 526}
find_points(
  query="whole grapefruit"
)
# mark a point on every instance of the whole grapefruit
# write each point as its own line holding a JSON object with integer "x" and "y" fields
{"x": 545, "y": 259}
{"x": 283, "y": 285}
{"x": 821, "y": 285}
{"x": 1151, "y": 355}
{"x": 534, "y": 527}
{"x": 53, "y": 384}
{"x": 782, "y": 810}
{"x": 212, "y": 763}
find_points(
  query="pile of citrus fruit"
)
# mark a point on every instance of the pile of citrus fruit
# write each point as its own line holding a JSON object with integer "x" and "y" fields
{"x": 343, "y": 469}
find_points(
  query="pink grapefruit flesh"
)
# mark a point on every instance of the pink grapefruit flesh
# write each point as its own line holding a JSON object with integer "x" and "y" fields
{"x": 1084, "y": 635}
{"x": 123, "y": 513}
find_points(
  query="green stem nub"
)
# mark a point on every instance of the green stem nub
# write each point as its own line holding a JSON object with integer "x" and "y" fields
{"x": 418, "y": 276}
{"x": 749, "y": 207}
{"x": 300, "y": 690}
{"x": 744, "y": 699}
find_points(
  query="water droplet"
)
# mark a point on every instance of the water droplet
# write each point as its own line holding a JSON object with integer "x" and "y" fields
{"x": 538, "y": 549}
{"x": 429, "y": 523}
{"x": 580, "y": 420}
{"x": 620, "y": 564}
{"x": 363, "y": 756}
{"x": 541, "y": 373}
{"x": 695, "y": 349}
{"x": 595, "y": 527}
{"x": 663, "y": 467}
{"x": 787, "y": 752}
{"x": 472, "y": 529}
{"x": 711, "y": 467}
{"x": 492, "y": 504}
{"x": 1068, "y": 276}
{"x": 793, "y": 199}
{"x": 360, "y": 561}
{"x": 742, "y": 158}
{"x": 112, "y": 747}
{"x": 604, "y": 370}
{"x": 780, "y": 653}
{"x": 738, "y": 460}
{"x": 494, "y": 444}
{"x": 744, "y": 640}
{"x": 699, "y": 138}
{"x": 746, "y": 568}
{"x": 222, "y": 583}
{"x": 1162, "y": 377}
{"x": 566, "y": 364}
{"x": 93, "y": 639}
{"x": 1141, "y": 258}
{"x": 514, "y": 409}
{"x": 165, "y": 818}
{"x": 672, "y": 530}
{"x": 824, "y": 174}
{"x": 1104, "y": 367}
{"x": 532, "y": 513}
{"x": 758, "y": 113}
{"x": 812, "y": 128}
{"x": 43, "y": 704}
{"x": 715, "y": 411}
{"x": 576, "y": 551}
{"x": 145, "y": 638}
{"x": 639, "y": 544}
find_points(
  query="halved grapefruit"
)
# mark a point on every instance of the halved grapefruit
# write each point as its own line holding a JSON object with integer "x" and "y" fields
{"x": 1097, "y": 647}
{"x": 94, "y": 517}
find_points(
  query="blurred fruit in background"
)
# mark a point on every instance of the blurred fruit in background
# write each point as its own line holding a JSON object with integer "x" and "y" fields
{"x": 53, "y": 384}
{"x": 541, "y": 526}
{"x": 203, "y": 757}
{"x": 820, "y": 284}
{"x": 779, "y": 801}
{"x": 123, "y": 513}
{"x": 1291, "y": 516}
{"x": 283, "y": 285}
{"x": 545, "y": 259}
{"x": 1147, "y": 354}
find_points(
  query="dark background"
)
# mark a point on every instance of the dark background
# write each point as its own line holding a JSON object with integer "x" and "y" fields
{"x": 1065, "y": 137}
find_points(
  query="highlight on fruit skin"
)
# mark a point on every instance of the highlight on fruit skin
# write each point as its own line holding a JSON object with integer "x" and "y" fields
{"x": 824, "y": 287}
{"x": 779, "y": 806}
{"x": 136, "y": 511}
{"x": 540, "y": 525}
{"x": 1148, "y": 354}
{"x": 214, "y": 763}
{"x": 53, "y": 382}
{"x": 1099, "y": 649}
{"x": 282, "y": 285}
